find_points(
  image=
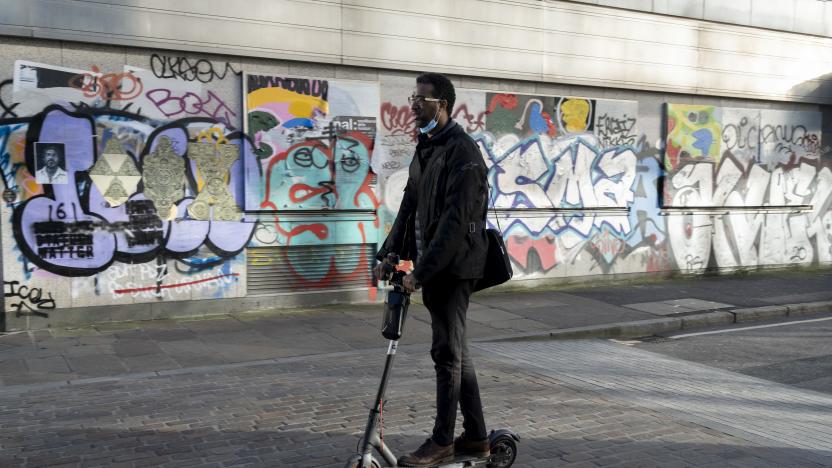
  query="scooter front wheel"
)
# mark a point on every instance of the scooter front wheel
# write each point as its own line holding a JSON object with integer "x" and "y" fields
{"x": 355, "y": 462}
{"x": 503, "y": 452}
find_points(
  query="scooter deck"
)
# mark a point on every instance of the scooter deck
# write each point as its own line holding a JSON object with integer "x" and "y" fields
{"x": 461, "y": 461}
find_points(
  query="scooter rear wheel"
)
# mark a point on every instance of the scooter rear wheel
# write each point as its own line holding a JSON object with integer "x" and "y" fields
{"x": 503, "y": 452}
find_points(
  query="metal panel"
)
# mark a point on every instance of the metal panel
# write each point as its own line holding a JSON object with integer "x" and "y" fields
{"x": 728, "y": 11}
{"x": 773, "y": 15}
{"x": 644, "y": 5}
{"x": 305, "y": 30}
{"x": 460, "y": 31}
{"x": 520, "y": 13}
{"x": 809, "y": 16}
{"x": 552, "y": 41}
{"x": 688, "y": 8}
{"x": 299, "y": 269}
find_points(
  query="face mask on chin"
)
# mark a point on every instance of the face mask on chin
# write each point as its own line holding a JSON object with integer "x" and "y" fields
{"x": 431, "y": 125}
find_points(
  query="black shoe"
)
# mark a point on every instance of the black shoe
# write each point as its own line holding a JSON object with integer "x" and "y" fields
{"x": 428, "y": 454}
{"x": 475, "y": 448}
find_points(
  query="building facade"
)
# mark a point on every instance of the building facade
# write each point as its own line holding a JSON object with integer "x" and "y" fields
{"x": 162, "y": 161}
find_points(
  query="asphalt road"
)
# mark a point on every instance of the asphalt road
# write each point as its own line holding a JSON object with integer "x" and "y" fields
{"x": 794, "y": 352}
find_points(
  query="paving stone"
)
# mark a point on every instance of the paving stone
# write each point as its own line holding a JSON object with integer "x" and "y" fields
{"x": 12, "y": 366}
{"x": 135, "y": 347}
{"x": 54, "y": 364}
{"x": 96, "y": 365}
{"x": 149, "y": 362}
{"x": 574, "y": 403}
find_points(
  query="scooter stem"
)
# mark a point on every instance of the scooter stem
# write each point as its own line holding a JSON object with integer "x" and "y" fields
{"x": 371, "y": 433}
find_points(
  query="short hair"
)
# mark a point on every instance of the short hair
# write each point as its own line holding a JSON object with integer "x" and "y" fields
{"x": 44, "y": 147}
{"x": 442, "y": 88}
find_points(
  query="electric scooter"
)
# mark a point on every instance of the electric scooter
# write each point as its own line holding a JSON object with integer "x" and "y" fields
{"x": 503, "y": 442}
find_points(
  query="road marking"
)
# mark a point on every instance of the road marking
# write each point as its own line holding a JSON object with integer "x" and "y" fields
{"x": 729, "y": 330}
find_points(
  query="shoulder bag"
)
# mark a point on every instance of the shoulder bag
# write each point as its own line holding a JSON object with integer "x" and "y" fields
{"x": 497, "y": 263}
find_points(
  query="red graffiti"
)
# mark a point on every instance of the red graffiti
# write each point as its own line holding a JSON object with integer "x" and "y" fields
{"x": 333, "y": 277}
{"x": 553, "y": 131}
{"x": 509, "y": 101}
{"x": 111, "y": 86}
{"x": 300, "y": 192}
{"x": 607, "y": 245}
{"x": 319, "y": 230}
{"x": 657, "y": 260}
{"x": 472, "y": 123}
{"x": 398, "y": 120}
{"x": 519, "y": 246}
{"x": 169, "y": 286}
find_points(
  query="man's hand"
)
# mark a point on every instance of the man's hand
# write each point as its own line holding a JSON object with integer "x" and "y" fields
{"x": 409, "y": 282}
{"x": 379, "y": 270}
{"x": 384, "y": 269}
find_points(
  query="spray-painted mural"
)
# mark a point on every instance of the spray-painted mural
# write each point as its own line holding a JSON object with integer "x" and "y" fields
{"x": 767, "y": 167}
{"x": 138, "y": 185}
{"x": 105, "y": 205}
{"x": 585, "y": 163}
{"x": 571, "y": 179}
{"x": 314, "y": 142}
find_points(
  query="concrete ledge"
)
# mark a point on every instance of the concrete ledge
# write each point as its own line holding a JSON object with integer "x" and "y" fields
{"x": 650, "y": 327}
{"x": 709, "y": 319}
{"x": 642, "y": 328}
{"x": 808, "y": 308}
{"x": 160, "y": 310}
{"x": 609, "y": 330}
{"x": 760, "y": 313}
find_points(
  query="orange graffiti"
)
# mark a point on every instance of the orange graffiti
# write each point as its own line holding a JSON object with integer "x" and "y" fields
{"x": 111, "y": 86}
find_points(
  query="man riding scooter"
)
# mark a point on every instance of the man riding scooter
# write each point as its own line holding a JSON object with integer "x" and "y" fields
{"x": 440, "y": 227}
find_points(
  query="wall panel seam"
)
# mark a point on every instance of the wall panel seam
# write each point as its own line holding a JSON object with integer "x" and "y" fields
{"x": 68, "y": 36}
{"x": 356, "y": 59}
{"x": 449, "y": 18}
{"x": 214, "y": 18}
{"x": 676, "y": 21}
{"x": 441, "y": 42}
{"x": 564, "y": 54}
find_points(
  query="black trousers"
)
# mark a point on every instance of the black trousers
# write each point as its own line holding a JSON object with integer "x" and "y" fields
{"x": 456, "y": 381}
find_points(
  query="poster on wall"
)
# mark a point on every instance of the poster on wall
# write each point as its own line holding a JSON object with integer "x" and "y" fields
{"x": 314, "y": 141}
{"x": 50, "y": 163}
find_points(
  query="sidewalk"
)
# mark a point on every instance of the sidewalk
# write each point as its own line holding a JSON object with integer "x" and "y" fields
{"x": 634, "y": 309}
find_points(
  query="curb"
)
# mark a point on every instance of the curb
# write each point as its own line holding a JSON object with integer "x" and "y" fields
{"x": 641, "y": 328}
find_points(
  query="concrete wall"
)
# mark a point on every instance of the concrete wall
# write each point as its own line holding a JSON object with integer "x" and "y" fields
{"x": 800, "y": 16}
{"x": 582, "y": 185}
{"x": 551, "y": 41}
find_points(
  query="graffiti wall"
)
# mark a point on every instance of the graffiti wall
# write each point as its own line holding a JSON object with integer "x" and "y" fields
{"x": 314, "y": 176}
{"x": 767, "y": 174}
{"x": 573, "y": 187}
{"x": 172, "y": 178}
{"x": 112, "y": 199}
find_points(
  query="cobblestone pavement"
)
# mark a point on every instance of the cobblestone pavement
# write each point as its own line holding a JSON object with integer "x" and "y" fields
{"x": 573, "y": 403}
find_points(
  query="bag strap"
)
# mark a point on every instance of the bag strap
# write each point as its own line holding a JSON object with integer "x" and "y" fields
{"x": 493, "y": 209}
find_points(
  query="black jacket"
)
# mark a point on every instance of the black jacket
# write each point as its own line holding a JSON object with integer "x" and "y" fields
{"x": 447, "y": 182}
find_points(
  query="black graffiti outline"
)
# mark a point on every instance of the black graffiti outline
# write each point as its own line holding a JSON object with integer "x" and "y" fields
{"x": 732, "y": 135}
{"x": 35, "y": 123}
{"x": 616, "y": 131}
{"x": 31, "y": 299}
{"x": 8, "y": 111}
{"x": 202, "y": 70}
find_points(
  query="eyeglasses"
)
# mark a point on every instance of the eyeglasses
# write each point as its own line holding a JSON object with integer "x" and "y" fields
{"x": 417, "y": 98}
